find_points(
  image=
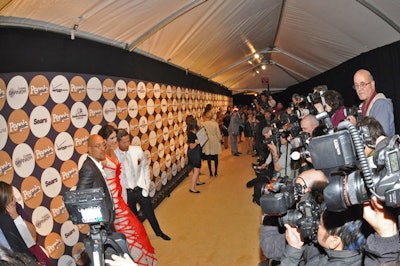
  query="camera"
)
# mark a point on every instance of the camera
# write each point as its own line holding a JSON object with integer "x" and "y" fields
{"x": 354, "y": 111}
{"x": 305, "y": 217}
{"x": 357, "y": 187}
{"x": 300, "y": 146}
{"x": 278, "y": 201}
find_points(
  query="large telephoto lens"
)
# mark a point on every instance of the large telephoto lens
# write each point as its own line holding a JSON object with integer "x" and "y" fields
{"x": 345, "y": 191}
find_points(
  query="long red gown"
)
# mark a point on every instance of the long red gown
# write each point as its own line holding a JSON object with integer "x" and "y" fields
{"x": 126, "y": 221}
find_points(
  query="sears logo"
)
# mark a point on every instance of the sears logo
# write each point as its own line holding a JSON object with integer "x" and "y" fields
{"x": 40, "y": 121}
{"x": 121, "y": 90}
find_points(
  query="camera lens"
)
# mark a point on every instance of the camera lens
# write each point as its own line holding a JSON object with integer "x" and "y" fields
{"x": 290, "y": 218}
{"x": 346, "y": 191}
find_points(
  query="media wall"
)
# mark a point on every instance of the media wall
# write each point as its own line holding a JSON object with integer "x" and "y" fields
{"x": 45, "y": 121}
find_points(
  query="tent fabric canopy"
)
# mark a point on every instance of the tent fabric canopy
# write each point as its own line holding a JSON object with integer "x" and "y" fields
{"x": 216, "y": 39}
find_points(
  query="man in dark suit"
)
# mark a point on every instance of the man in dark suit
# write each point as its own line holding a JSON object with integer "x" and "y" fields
{"x": 91, "y": 174}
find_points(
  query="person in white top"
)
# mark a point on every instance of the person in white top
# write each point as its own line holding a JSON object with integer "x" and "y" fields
{"x": 135, "y": 178}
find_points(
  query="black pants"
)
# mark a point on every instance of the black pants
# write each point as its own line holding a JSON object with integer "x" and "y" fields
{"x": 135, "y": 196}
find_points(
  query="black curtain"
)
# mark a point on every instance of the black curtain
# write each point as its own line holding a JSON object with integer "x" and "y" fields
{"x": 384, "y": 65}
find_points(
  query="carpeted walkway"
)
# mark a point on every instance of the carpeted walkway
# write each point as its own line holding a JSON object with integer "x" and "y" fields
{"x": 220, "y": 226}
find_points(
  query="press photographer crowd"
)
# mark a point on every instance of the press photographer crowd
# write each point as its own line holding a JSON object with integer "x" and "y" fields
{"x": 327, "y": 178}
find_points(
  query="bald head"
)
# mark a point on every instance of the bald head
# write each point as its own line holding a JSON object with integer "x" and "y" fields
{"x": 364, "y": 84}
{"x": 97, "y": 147}
{"x": 309, "y": 123}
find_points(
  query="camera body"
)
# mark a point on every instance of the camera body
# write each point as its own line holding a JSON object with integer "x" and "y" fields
{"x": 279, "y": 199}
{"x": 354, "y": 111}
{"x": 352, "y": 188}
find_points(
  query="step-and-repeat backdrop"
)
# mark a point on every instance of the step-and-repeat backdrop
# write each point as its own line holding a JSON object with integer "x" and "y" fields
{"x": 45, "y": 122}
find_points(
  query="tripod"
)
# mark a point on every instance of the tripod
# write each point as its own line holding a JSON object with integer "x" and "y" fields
{"x": 100, "y": 240}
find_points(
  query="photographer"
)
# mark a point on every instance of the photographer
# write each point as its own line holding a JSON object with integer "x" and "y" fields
{"x": 279, "y": 152}
{"x": 333, "y": 105}
{"x": 339, "y": 233}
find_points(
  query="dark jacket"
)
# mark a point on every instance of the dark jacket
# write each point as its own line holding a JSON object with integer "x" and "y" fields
{"x": 90, "y": 176}
{"x": 293, "y": 256}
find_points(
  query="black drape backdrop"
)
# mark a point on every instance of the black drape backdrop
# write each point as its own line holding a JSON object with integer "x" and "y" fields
{"x": 384, "y": 65}
{"x": 25, "y": 50}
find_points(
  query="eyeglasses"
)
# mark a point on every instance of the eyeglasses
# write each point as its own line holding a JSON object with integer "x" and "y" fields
{"x": 100, "y": 145}
{"x": 362, "y": 85}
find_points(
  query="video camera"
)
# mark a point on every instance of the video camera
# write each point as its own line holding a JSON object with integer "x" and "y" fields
{"x": 88, "y": 206}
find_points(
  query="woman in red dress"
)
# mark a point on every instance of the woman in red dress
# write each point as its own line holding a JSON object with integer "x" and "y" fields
{"x": 125, "y": 221}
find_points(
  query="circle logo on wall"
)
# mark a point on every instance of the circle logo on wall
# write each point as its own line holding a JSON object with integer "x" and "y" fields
{"x": 169, "y": 92}
{"x": 69, "y": 173}
{"x": 157, "y": 183}
{"x": 174, "y": 105}
{"x": 94, "y": 89}
{"x": 149, "y": 90}
{"x": 18, "y": 126}
{"x": 81, "y": 137}
{"x": 124, "y": 125}
{"x": 152, "y": 138}
{"x": 31, "y": 192}
{"x": 64, "y": 146}
{"x": 143, "y": 126}
{"x": 60, "y": 117}
{"x": 156, "y": 169}
{"x": 43, "y": 221}
{"x": 122, "y": 109}
{"x": 160, "y": 135}
{"x": 108, "y": 89}
{"x": 164, "y": 105}
{"x": 23, "y": 160}
{"x": 165, "y": 119}
{"x": 17, "y": 92}
{"x": 134, "y": 127}
{"x": 120, "y": 89}
{"x": 183, "y": 104}
{"x": 166, "y": 133}
{"x": 40, "y": 121}
{"x": 59, "y": 89}
{"x": 3, "y": 91}
{"x": 144, "y": 140}
{"x": 157, "y": 106}
{"x": 3, "y": 132}
{"x": 58, "y": 210}
{"x": 133, "y": 108}
{"x": 18, "y": 198}
{"x": 69, "y": 233}
{"x": 161, "y": 150}
{"x": 79, "y": 114}
{"x": 178, "y": 92}
{"x": 54, "y": 245}
{"x": 163, "y": 91}
{"x": 66, "y": 260}
{"x": 154, "y": 154}
{"x": 157, "y": 91}
{"x": 6, "y": 167}
{"x": 170, "y": 118}
{"x": 39, "y": 91}
{"x": 132, "y": 90}
{"x": 158, "y": 121}
{"x": 164, "y": 178}
{"x": 150, "y": 106}
{"x": 79, "y": 253}
{"x": 141, "y": 90}
{"x": 44, "y": 152}
{"x": 151, "y": 122}
{"x": 95, "y": 112}
{"x": 51, "y": 182}
{"x": 142, "y": 107}
{"x": 78, "y": 88}
{"x": 110, "y": 111}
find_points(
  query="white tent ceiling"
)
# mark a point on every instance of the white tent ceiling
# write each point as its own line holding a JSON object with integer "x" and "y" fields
{"x": 216, "y": 38}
